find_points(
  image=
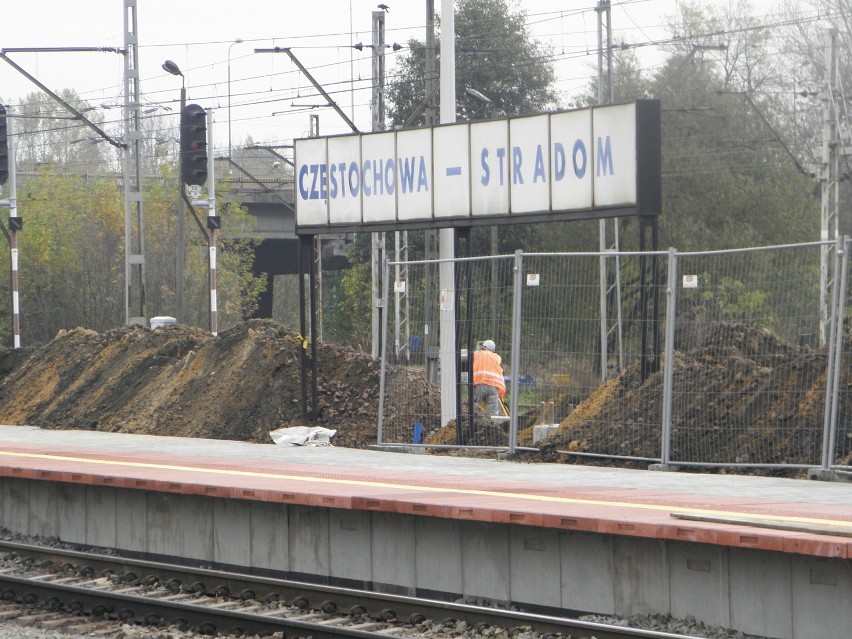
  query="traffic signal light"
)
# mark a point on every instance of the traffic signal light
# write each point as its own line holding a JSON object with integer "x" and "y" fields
{"x": 4, "y": 146}
{"x": 193, "y": 145}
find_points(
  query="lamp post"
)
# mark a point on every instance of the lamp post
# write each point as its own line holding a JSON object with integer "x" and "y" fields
{"x": 180, "y": 253}
{"x": 237, "y": 41}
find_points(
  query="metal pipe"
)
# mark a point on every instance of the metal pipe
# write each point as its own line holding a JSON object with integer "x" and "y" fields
{"x": 668, "y": 373}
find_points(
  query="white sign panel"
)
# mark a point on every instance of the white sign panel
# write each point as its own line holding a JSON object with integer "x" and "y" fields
{"x": 451, "y": 171}
{"x": 414, "y": 174}
{"x": 489, "y": 167}
{"x": 603, "y": 160}
{"x": 571, "y": 160}
{"x": 530, "y": 164}
{"x": 378, "y": 177}
{"x": 311, "y": 197}
{"x": 344, "y": 180}
{"x": 615, "y": 164}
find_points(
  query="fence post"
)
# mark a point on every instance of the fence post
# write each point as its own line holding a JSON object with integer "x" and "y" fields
{"x": 835, "y": 352}
{"x": 383, "y": 353}
{"x": 668, "y": 362}
{"x": 516, "y": 350}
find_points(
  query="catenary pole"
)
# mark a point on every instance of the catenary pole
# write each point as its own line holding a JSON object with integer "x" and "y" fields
{"x": 15, "y": 225}
{"x": 446, "y": 236}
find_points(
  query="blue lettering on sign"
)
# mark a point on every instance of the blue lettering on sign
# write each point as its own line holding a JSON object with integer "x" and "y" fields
{"x": 322, "y": 181}
{"x": 378, "y": 185}
{"x": 316, "y": 172}
{"x": 500, "y": 154}
{"x": 303, "y": 172}
{"x": 558, "y": 161}
{"x": 371, "y": 177}
{"x": 364, "y": 179}
{"x": 422, "y": 177}
{"x": 390, "y": 177}
{"x": 538, "y": 171}
{"x": 604, "y": 157}
{"x": 579, "y": 148}
{"x": 406, "y": 174}
{"x": 332, "y": 180}
{"x": 517, "y": 159}
{"x": 486, "y": 172}
{"x": 354, "y": 179}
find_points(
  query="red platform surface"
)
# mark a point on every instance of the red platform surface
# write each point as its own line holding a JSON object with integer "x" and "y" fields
{"x": 818, "y": 529}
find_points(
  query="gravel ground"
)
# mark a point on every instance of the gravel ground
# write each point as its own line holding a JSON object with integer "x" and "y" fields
{"x": 688, "y": 626}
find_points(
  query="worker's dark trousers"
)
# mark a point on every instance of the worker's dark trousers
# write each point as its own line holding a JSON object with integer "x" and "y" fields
{"x": 490, "y": 395}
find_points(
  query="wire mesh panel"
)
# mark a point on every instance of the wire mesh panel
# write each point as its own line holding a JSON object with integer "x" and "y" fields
{"x": 411, "y": 410}
{"x": 481, "y": 303}
{"x": 841, "y": 455}
{"x": 588, "y": 374}
{"x": 749, "y": 377}
{"x": 485, "y": 297}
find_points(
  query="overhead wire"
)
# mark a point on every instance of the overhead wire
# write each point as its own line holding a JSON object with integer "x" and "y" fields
{"x": 535, "y": 19}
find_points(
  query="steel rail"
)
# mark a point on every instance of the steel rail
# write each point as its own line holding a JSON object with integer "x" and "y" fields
{"x": 368, "y": 605}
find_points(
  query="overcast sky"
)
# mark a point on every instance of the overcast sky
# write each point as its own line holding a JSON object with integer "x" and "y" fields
{"x": 270, "y": 100}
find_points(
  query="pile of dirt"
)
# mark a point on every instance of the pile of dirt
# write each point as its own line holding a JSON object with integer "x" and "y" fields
{"x": 741, "y": 395}
{"x": 181, "y": 381}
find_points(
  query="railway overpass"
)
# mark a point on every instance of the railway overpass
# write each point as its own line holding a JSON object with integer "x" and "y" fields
{"x": 269, "y": 201}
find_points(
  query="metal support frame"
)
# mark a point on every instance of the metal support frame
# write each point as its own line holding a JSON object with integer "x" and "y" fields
{"x": 649, "y": 277}
{"x": 464, "y": 433}
{"x": 383, "y": 366}
{"x": 214, "y": 223}
{"x": 307, "y": 300}
{"x": 835, "y": 350}
{"x": 134, "y": 219}
{"x": 514, "y": 382}
{"x": 313, "y": 81}
{"x": 402, "y": 308}
{"x": 378, "y": 240}
{"x": 829, "y": 179}
{"x": 610, "y": 287}
{"x": 668, "y": 373}
{"x": 15, "y": 224}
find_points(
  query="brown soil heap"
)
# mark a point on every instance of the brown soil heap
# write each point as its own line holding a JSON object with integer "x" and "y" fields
{"x": 181, "y": 381}
{"x": 743, "y": 394}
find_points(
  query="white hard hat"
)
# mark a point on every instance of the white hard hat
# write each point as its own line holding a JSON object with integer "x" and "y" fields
{"x": 489, "y": 345}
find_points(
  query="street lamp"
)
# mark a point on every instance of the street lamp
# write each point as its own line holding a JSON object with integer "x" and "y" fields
{"x": 180, "y": 254}
{"x": 237, "y": 41}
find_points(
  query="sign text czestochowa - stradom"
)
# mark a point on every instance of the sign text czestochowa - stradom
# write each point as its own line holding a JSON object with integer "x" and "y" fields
{"x": 594, "y": 162}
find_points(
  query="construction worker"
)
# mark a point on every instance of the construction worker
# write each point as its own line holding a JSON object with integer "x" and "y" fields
{"x": 488, "y": 383}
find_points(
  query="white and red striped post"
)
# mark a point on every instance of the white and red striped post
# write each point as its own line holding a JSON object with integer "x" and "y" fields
{"x": 213, "y": 224}
{"x": 15, "y": 225}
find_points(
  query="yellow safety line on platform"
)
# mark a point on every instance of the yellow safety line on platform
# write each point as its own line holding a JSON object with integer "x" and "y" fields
{"x": 424, "y": 489}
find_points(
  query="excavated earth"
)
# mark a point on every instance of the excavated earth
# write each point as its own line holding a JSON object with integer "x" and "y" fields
{"x": 736, "y": 400}
{"x": 182, "y": 381}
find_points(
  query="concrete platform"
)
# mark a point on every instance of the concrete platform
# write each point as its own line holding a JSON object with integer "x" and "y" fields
{"x": 771, "y": 557}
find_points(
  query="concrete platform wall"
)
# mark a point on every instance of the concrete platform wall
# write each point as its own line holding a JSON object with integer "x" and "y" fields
{"x": 772, "y": 594}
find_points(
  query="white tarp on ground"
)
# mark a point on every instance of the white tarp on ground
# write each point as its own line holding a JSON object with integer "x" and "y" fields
{"x": 302, "y": 436}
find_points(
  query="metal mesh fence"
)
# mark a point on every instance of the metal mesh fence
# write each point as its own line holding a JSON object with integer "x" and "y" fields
{"x": 749, "y": 376}
{"x": 572, "y": 345}
{"x": 840, "y": 435}
{"x": 737, "y": 371}
{"x": 411, "y": 410}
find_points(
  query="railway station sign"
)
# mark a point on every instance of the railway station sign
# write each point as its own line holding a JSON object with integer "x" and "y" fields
{"x": 598, "y": 162}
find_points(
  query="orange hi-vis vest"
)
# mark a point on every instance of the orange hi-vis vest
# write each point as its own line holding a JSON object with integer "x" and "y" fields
{"x": 488, "y": 369}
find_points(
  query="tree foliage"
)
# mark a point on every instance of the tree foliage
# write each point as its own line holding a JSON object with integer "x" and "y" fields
{"x": 495, "y": 55}
{"x": 71, "y": 249}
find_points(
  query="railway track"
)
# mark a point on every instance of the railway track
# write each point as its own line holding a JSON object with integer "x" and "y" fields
{"x": 98, "y": 586}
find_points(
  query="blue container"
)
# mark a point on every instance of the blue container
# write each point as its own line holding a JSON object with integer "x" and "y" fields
{"x": 418, "y": 433}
